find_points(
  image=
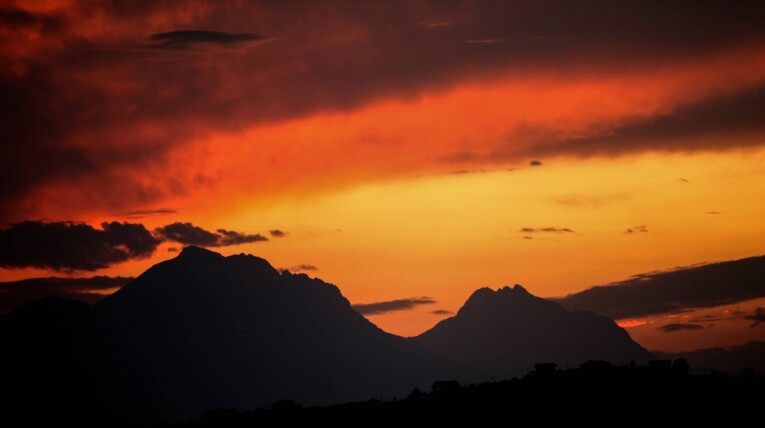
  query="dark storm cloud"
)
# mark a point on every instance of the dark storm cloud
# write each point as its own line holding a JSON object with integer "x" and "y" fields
{"x": 391, "y": 305}
{"x": 535, "y": 163}
{"x": 71, "y": 78}
{"x": 15, "y": 293}
{"x": 73, "y": 246}
{"x": 276, "y": 233}
{"x": 757, "y": 318}
{"x": 441, "y": 312}
{"x": 672, "y": 328}
{"x": 18, "y": 19}
{"x": 188, "y": 234}
{"x": 546, "y": 230}
{"x": 183, "y": 38}
{"x": 66, "y": 246}
{"x": 738, "y": 116}
{"x": 701, "y": 286}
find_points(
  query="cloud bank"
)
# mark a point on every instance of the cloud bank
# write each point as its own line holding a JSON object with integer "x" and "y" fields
{"x": 701, "y": 286}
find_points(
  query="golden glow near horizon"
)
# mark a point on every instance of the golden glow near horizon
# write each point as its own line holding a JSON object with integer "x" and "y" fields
{"x": 445, "y": 235}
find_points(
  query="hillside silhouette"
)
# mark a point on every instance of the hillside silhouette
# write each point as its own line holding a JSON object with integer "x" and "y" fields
{"x": 596, "y": 391}
{"x": 732, "y": 359}
{"x": 203, "y": 331}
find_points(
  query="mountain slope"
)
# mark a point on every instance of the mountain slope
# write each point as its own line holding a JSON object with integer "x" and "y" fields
{"x": 234, "y": 332}
{"x": 505, "y": 332}
{"x": 203, "y": 331}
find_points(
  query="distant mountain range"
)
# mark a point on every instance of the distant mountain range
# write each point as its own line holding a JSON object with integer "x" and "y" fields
{"x": 203, "y": 331}
{"x": 733, "y": 359}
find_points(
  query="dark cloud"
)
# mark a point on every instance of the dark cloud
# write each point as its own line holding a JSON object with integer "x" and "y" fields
{"x": 14, "y": 294}
{"x": 672, "y": 328}
{"x": 391, "y": 305}
{"x": 182, "y": 39}
{"x": 713, "y": 212}
{"x": 535, "y": 163}
{"x": 636, "y": 229}
{"x": 441, "y": 312}
{"x": 188, "y": 234}
{"x": 684, "y": 180}
{"x": 69, "y": 77}
{"x": 757, "y": 318}
{"x": 229, "y": 237}
{"x": 738, "y": 116}
{"x": 546, "y": 230}
{"x": 276, "y": 233}
{"x": 73, "y": 246}
{"x": 700, "y": 286}
{"x": 20, "y": 19}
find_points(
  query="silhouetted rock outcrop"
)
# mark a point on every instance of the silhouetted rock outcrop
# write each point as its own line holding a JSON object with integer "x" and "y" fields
{"x": 505, "y": 332}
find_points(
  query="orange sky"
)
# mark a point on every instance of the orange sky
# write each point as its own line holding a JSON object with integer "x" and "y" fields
{"x": 396, "y": 176}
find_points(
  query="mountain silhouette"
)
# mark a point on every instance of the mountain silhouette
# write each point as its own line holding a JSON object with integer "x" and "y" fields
{"x": 234, "y": 332}
{"x": 733, "y": 359}
{"x": 203, "y": 331}
{"x": 505, "y": 332}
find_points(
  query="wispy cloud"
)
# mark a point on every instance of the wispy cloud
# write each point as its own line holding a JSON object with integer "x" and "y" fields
{"x": 378, "y": 308}
{"x": 673, "y": 328}
{"x": 636, "y": 229}
{"x": 546, "y": 230}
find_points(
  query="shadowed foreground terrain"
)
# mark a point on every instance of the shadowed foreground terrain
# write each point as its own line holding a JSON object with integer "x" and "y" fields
{"x": 596, "y": 391}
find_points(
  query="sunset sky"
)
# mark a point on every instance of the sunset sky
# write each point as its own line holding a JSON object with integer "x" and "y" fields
{"x": 409, "y": 152}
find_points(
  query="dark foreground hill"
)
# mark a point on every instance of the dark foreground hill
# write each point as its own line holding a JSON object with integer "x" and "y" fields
{"x": 203, "y": 331}
{"x": 731, "y": 360}
{"x": 597, "y": 392}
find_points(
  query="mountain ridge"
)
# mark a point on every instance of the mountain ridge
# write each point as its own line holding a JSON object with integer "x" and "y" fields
{"x": 203, "y": 331}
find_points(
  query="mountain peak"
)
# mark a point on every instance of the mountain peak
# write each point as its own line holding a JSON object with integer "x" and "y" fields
{"x": 509, "y": 330}
{"x": 518, "y": 288}
{"x": 483, "y": 297}
{"x": 197, "y": 252}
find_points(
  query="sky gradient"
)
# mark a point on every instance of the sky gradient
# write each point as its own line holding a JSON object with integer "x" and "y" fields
{"x": 407, "y": 152}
